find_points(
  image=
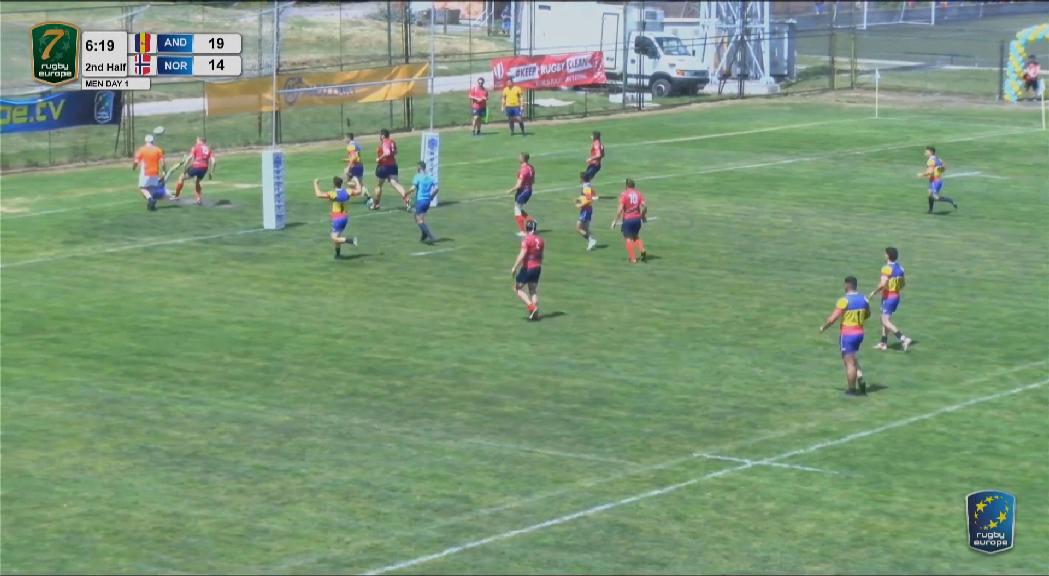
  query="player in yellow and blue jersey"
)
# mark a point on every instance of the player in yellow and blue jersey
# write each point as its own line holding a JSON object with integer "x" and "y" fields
{"x": 355, "y": 165}
{"x": 585, "y": 203}
{"x": 934, "y": 168}
{"x": 340, "y": 212}
{"x": 892, "y": 282}
{"x": 853, "y": 310}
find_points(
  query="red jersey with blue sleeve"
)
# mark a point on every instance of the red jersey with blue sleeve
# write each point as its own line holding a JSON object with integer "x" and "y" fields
{"x": 386, "y": 153}
{"x": 533, "y": 246}
{"x": 200, "y": 156}
{"x": 631, "y": 201}
{"x": 526, "y": 174}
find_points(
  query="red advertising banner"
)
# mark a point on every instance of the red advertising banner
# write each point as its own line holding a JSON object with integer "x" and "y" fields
{"x": 551, "y": 71}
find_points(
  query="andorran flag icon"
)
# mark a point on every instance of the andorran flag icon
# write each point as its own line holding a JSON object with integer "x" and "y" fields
{"x": 142, "y": 43}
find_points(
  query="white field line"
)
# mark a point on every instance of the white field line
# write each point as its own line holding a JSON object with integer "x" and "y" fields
{"x": 439, "y": 251}
{"x": 976, "y": 173}
{"x": 761, "y": 463}
{"x": 235, "y": 186}
{"x": 555, "y": 453}
{"x": 856, "y": 151}
{"x": 246, "y": 186}
{"x": 636, "y": 143}
{"x": 675, "y": 487}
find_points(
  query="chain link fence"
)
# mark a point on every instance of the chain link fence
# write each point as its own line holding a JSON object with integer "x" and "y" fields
{"x": 838, "y": 46}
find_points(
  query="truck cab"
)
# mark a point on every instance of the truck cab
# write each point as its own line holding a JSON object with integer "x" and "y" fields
{"x": 664, "y": 65}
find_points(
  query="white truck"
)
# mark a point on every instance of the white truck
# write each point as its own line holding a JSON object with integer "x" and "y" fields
{"x": 637, "y": 52}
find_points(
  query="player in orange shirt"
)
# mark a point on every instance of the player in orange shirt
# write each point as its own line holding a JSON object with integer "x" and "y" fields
{"x": 633, "y": 211}
{"x": 200, "y": 162}
{"x": 149, "y": 161}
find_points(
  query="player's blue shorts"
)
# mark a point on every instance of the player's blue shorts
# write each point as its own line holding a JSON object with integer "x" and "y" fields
{"x": 522, "y": 196}
{"x": 197, "y": 172}
{"x": 935, "y": 186}
{"x": 850, "y": 344}
{"x": 422, "y": 205}
{"x": 526, "y": 276}
{"x": 356, "y": 171}
{"x": 631, "y": 227}
{"x": 889, "y": 305}
{"x": 339, "y": 224}
{"x": 591, "y": 171}
{"x": 481, "y": 112}
{"x": 586, "y": 214}
{"x": 384, "y": 171}
{"x": 158, "y": 192}
{"x": 513, "y": 111}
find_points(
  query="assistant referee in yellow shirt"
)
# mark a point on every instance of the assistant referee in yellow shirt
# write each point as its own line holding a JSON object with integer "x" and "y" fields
{"x": 511, "y": 104}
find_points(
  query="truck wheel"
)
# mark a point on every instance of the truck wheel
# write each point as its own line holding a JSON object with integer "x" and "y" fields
{"x": 661, "y": 88}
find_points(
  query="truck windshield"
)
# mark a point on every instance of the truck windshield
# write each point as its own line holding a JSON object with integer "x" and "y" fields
{"x": 672, "y": 46}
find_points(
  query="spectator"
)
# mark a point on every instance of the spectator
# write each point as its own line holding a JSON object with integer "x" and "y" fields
{"x": 819, "y": 8}
{"x": 506, "y": 19}
{"x": 1032, "y": 70}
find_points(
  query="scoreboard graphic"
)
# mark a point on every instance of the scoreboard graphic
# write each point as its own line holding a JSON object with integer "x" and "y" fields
{"x": 119, "y": 60}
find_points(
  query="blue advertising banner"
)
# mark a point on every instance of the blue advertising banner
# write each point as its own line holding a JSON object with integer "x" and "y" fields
{"x": 61, "y": 110}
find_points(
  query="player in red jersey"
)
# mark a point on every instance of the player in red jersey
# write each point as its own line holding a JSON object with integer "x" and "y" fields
{"x": 526, "y": 270}
{"x": 386, "y": 169}
{"x": 200, "y": 162}
{"x": 522, "y": 191}
{"x": 633, "y": 211}
{"x": 597, "y": 154}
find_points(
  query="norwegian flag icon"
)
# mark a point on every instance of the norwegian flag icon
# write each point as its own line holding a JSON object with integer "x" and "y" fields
{"x": 144, "y": 65}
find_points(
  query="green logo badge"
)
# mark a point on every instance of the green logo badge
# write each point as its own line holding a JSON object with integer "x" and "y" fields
{"x": 55, "y": 52}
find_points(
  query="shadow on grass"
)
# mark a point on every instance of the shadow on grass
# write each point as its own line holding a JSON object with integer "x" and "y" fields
{"x": 552, "y": 315}
{"x": 943, "y": 212}
{"x": 352, "y": 256}
{"x": 899, "y": 346}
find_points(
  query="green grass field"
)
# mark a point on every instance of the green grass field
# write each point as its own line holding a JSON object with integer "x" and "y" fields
{"x": 184, "y": 392}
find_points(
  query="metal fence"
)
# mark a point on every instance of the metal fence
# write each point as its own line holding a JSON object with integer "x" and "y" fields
{"x": 961, "y": 55}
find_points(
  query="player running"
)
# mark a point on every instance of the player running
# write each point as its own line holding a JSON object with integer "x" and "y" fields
{"x": 632, "y": 211}
{"x": 522, "y": 191}
{"x": 934, "y": 168}
{"x": 199, "y": 162}
{"x": 511, "y": 104}
{"x": 386, "y": 169}
{"x": 355, "y": 165}
{"x": 149, "y": 161}
{"x": 425, "y": 190}
{"x": 478, "y": 105}
{"x": 892, "y": 282}
{"x": 585, "y": 203}
{"x": 852, "y": 309}
{"x": 340, "y": 213}
{"x": 527, "y": 269}
{"x": 597, "y": 154}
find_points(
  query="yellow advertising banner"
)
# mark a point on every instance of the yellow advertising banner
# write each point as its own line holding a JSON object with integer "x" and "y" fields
{"x": 317, "y": 89}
